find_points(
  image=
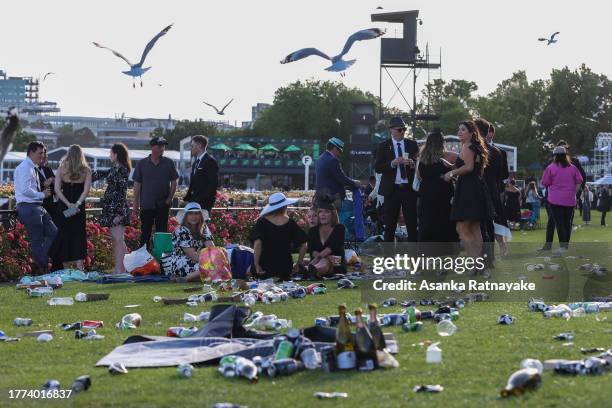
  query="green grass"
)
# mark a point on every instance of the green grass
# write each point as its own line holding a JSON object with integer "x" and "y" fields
{"x": 477, "y": 360}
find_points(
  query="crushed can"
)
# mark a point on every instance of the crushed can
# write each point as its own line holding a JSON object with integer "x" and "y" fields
{"x": 117, "y": 368}
{"x": 22, "y": 321}
{"x": 428, "y": 388}
{"x": 505, "y": 319}
{"x": 82, "y": 383}
{"x": 51, "y": 385}
{"x": 328, "y": 359}
{"x": 185, "y": 370}
{"x": 564, "y": 336}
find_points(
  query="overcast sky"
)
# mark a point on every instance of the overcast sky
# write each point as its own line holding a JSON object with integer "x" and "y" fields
{"x": 232, "y": 48}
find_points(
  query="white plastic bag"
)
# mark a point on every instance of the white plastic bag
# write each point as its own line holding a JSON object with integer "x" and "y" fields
{"x": 137, "y": 259}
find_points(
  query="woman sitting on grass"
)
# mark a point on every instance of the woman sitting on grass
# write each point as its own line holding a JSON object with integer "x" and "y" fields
{"x": 188, "y": 240}
{"x": 326, "y": 243}
{"x": 274, "y": 237}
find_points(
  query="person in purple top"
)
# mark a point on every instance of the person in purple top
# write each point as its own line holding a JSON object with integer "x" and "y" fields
{"x": 561, "y": 178}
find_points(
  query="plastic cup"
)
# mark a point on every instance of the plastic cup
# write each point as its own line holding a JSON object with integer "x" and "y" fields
{"x": 446, "y": 328}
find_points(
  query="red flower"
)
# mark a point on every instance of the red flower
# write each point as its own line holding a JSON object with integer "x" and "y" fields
{"x": 10, "y": 236}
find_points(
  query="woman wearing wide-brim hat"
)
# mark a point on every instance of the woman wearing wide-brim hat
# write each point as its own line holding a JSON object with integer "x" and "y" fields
{"x": 274, "y": 237}
{"x": 189, "y": 238}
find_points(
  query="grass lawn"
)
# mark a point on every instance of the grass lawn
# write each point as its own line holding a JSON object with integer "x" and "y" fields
{"x": 477, "y": 360}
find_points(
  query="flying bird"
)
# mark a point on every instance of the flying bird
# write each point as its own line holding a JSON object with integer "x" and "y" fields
{"x": 550, "y": 40}
{"x": 379, "y": 8}
{"x": 47, "y": 74}
{"x": 338, "y": 64}
{"x": 8, "y": 133}
{"x": 137, "y": 70}
{"x": 219, "y": 112}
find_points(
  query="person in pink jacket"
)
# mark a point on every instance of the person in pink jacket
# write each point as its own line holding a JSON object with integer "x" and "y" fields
{"x": 561, "y": 178}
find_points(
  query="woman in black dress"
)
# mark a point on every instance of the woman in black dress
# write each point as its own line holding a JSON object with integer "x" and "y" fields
{"x": 46, "y": 176}
{"x": 435, "y": 195}
{"x": 471, "y": 202}
{"x": 326, "y": 242}
{"x": 274, "y": 236}
{"x": 512, "y": 202}
{"x": 115, "y": 208}
{"x": 72, "y": 186}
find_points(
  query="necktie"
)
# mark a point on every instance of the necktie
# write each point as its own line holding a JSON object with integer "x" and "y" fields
{"x": 195, "y": 166}
{"x": 400, "y": 153}
{"x": 38, "y": 171}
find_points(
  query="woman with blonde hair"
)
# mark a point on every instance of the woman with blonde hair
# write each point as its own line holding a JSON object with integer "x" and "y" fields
{"x": 326, "y": 242}
{"x": 72, "y": 184}
{"x": 188, "y": 240}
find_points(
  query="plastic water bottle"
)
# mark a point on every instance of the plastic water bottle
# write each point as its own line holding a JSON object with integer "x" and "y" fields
{"x": 65, "y": 301}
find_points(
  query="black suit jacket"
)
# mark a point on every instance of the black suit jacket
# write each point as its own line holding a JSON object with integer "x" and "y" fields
{"x": 204, "y": 182}
{"x": 495, "y": 172}
{"x": 385, "y": 154}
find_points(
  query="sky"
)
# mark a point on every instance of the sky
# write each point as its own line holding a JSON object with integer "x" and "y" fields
{"x": 232, "y": 48}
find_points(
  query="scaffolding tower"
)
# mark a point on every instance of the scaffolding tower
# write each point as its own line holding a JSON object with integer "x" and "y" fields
{"x": 401, "y": 54}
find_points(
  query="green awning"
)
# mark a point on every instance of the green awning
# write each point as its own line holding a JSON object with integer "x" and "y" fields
{"x": 292, "y": 148}
{"x": 268, "y": 148}
{"x": 220, "y": 146}
{"x": 245, "y": 147}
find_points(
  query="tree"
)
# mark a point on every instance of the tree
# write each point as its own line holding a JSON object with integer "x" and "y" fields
{"x": 577, "y": 108}
{"x": 183, "y": 129}
{"x": 83, "y": 137}
{"x": 311, "y": 109}
{"x": 22, "y": 139}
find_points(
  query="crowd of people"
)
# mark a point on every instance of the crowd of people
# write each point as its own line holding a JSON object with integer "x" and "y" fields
{"x": 441, "y": 196}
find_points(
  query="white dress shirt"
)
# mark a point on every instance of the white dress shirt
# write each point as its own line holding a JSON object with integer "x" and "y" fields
{"x": 398, "y": 173}
{"x": 27, "y": 183}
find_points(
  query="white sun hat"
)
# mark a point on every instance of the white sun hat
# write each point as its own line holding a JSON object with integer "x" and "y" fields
{"x": 192, "y": 207}
{"x": 276, "y": 201}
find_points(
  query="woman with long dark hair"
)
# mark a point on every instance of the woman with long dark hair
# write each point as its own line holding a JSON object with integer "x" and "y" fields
{"x": 471, "y": 202}
{"x": 72, "y": 185}
{"x": 561, "y": 178}
{"x": 115, "y": 208}
{"x": 435, "y": 193}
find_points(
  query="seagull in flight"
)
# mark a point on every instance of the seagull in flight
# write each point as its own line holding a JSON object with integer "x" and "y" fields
{"x": 550, "y": 40}
{"x": 8, "y": 132}
{"x": 47, "y": 74}
{"x": 338, "y": 64}
{"x": 137, "y": 70}
{"x": 219, "y": 112}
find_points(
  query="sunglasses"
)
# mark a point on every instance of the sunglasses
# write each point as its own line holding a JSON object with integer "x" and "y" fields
{"x": 400, "y": 129}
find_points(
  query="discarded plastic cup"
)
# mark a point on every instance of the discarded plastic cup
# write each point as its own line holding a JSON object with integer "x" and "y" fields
{"x": 129, "y": 321}
{"x": 246, "y": 368}
{"x": 446, "y": 328}
{"x": 157, "y": 299}
{"x": 80, "y": 297}
{"x": 434, "y": 353}
{"x": 532, "y": 363}
{"x": 578, "y": 312}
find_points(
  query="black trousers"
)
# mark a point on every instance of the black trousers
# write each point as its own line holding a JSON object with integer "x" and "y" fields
{"x": 403, "y": 198}
{"x": 550, "y": 225}
{"x": 157, "y": 216}
{"x": 563, "y": 220}
{"x": 603, "y": 217}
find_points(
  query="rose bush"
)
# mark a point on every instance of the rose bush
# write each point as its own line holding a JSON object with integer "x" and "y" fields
{"x": 226, "y": 226}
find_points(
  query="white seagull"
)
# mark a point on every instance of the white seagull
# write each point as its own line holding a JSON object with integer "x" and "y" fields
{"x": 550, "y": 40}
{"x": 338, "y": 64}
{"x": 47, "y": 74}
{"x": 219, "y": 112}
{"x": 137, "y": 70}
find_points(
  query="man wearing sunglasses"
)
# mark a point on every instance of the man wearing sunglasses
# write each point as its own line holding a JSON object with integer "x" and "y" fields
{"x": 396, "y": 160}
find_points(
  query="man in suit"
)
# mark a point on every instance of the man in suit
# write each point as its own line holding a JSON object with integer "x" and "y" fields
{"x": 330, "y": 179}
{"x": 550, "y": 226}
{"x": 396, "y": 160}
{"x": 204, "y": 175}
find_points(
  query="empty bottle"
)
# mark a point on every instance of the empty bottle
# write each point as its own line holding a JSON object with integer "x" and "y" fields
{"x": 446, "y": 328}
{"x": 249, "y": 299}
{"x": 521, "y": 381}
{"x": 188, "y": 317}
{"x": 40, "y": 291}
{"x": 365, "y": 348}
{"x": 375, "y": 330}
{"x": 82, "y": 383}
{"x": 185, "y": 370}
{"x": 344, "y": 336}
{"x": 65, "y": 301}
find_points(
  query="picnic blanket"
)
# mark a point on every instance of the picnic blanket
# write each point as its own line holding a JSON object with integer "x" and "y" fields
{"x": 67, "y": 275}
